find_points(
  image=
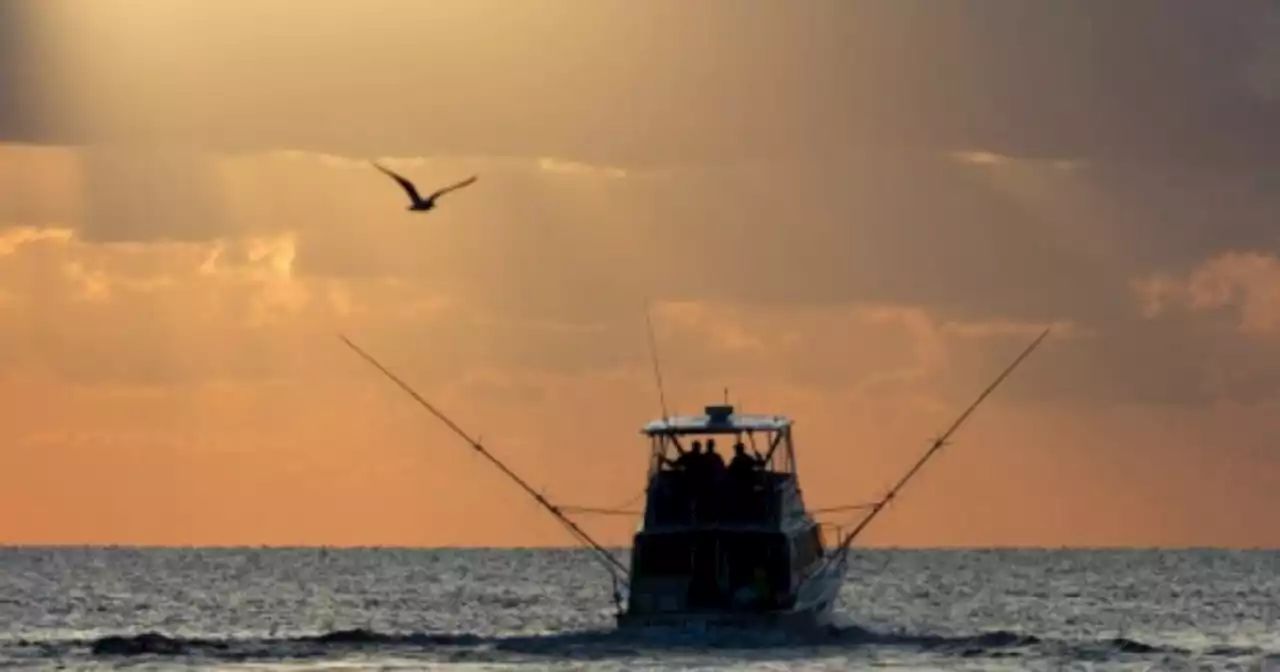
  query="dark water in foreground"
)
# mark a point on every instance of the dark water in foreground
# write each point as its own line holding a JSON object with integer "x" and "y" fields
{"x": 410, "y": 609}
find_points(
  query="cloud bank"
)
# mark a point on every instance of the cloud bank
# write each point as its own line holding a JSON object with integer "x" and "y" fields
{"x": 855, "y": 213}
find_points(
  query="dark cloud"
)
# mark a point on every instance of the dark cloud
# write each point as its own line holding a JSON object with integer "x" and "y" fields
{"x": 796, "y": 156}
{"x": 18, "y": 73}
{"x": 1023, "y": 239}
{"x": 35, "y": 107}
{"x": 678, "y": 83}
{"x": 1026, "y": 238}
{"x": 1134, "y": 360}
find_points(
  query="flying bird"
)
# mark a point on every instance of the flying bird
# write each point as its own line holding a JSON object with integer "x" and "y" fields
{"x": 417, "y": 202}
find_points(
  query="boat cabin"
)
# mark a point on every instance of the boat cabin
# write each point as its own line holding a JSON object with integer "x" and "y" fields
{"x": 725, "y": 527}
{"x": 718, "y": 469}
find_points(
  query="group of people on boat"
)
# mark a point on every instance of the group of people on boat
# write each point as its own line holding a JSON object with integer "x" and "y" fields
{"x": 710, "y": 464}
{"x": 712, "y": 487}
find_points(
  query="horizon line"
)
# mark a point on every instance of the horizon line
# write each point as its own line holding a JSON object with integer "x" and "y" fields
{"x": 402, "y": 547}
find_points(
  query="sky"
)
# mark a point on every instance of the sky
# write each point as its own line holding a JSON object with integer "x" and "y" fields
{"x": 853, "y": 213}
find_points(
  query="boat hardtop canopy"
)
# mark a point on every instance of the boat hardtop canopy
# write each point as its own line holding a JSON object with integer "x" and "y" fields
{"x": 717, "y": 419}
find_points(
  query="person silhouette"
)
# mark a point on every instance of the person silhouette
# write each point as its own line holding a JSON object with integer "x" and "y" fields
{"x": 742, "y": 463}
{"x": 714, "y": 461}
{"x": 691, "y": 459}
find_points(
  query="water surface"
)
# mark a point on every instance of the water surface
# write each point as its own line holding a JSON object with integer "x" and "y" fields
{"x": 539, "y": 609}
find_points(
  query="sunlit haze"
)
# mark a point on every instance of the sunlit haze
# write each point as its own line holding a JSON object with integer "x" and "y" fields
{"x": 852, "y": 213}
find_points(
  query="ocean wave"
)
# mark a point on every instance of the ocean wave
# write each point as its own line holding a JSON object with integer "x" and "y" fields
{"x": 603, "y": 644}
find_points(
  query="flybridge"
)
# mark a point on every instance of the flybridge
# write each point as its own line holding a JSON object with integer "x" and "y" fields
{"x": 717, "y": 419}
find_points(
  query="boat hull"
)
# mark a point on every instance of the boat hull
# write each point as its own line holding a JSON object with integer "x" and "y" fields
{"x": 798, "y": 620}
{"x": 813, "y": 610}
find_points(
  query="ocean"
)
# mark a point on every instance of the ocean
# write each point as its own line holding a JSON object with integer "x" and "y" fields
{"x": 281, "y": 609}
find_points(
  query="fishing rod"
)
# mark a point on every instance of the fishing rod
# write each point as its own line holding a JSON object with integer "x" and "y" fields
{"x": 600, "y": 511}
{"x": 611, "y": 563}
{"x": 842, "y": 549}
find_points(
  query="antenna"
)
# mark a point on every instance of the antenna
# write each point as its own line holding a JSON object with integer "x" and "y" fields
{"x": 657, "y": 370}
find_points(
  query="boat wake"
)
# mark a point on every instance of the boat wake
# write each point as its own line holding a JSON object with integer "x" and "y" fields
{"x": 605, "y": 645}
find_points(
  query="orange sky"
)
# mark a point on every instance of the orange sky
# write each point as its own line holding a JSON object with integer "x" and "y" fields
{"x": 851, "y": 214}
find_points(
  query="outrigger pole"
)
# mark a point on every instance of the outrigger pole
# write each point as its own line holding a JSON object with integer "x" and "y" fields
{"x": 611, "y": 563}
{"x": 842, "y": 550}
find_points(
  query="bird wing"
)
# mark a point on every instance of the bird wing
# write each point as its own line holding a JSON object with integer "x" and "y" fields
{"x": 405, "y": 184}
{"x": 451, "y": 187}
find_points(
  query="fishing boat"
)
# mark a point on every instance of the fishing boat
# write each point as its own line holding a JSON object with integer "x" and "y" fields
{"x": 722, "y": 546}
{"x": 727, "y": 546}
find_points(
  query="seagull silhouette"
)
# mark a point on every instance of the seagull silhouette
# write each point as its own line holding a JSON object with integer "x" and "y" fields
{"x": 417, "y": 202}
